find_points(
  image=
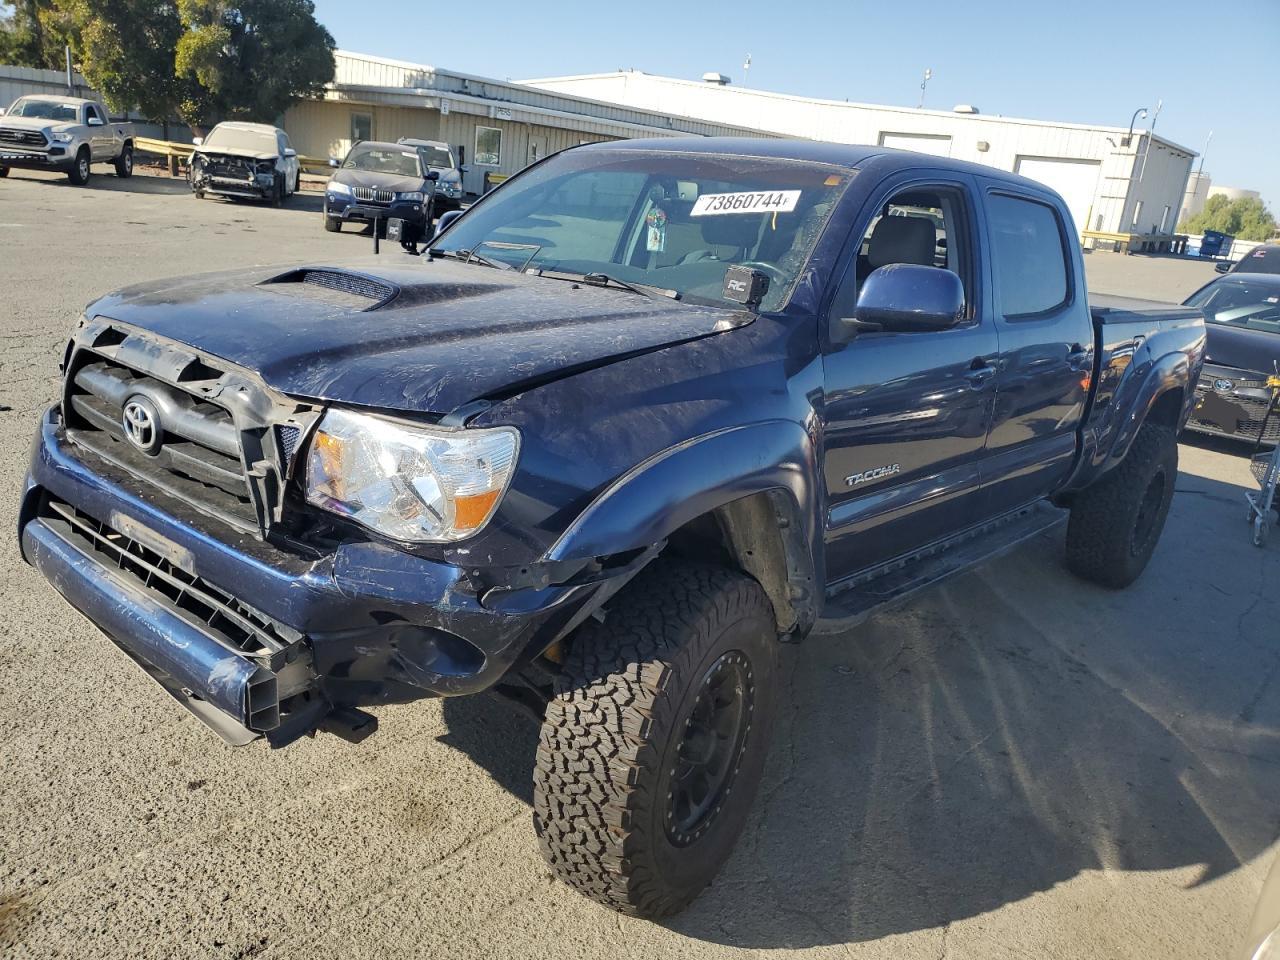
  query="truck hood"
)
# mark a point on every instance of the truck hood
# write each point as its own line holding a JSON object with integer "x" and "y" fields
{"x": 34, "y": 123}
{"x": 1241, "y": 348}
{"x": 423, "y": 337}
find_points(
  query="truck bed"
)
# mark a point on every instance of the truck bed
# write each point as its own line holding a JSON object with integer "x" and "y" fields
{"x": 1108, "y": 308}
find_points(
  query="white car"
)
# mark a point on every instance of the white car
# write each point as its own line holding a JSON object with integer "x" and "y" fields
{"x": 249, "y": 160}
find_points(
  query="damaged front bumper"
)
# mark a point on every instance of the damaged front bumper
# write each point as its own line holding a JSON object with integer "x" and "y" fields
{"x": 259, "y": 640}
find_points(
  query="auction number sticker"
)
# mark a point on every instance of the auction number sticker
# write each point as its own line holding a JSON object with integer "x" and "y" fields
{"x": 752, "y": 201}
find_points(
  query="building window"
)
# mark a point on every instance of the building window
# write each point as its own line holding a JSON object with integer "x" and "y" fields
{"x": 488, "y": 146}
{"x": 1137, "y": 215}
{"x": 1164, "y": 219}
{"x": 361, "y": 127}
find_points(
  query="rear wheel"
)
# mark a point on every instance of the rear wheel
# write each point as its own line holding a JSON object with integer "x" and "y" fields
{"x": 654, "y": 745}
{"x": 79, "y": 172}
{"x": 124, "y": 162}
{"x": 1116, "y": 523}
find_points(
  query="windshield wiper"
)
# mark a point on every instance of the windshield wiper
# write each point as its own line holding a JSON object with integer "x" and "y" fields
{"x": 608, "y": 280}
{"x": 468, "y": 256}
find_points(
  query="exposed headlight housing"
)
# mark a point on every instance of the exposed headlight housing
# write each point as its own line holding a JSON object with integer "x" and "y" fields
{"x": 412, "y": 196}
{"x": 335, "y": 187}
{"x": 62, "y": 137}
{"x": 409, "y": 482}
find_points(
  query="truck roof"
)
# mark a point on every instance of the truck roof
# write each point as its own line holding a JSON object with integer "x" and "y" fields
{"x": 816, "y": 151}
{"x": 55, "y": 98}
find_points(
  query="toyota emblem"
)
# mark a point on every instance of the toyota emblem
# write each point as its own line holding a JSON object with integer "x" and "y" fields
{"x": 141, "y": 422}
{"x": 1222, "y": 386}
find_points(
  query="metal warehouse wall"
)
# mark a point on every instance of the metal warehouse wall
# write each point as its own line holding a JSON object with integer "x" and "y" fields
{"x": 16, "y": 82}
{"x": 1068, "y": 157}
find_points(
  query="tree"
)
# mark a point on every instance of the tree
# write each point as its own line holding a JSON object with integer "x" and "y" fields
{"x": 249, "y": 60}
{"x": 125, "y": 49}
{"x": 29, "y": 36}
{"x": 1246, "y": 218}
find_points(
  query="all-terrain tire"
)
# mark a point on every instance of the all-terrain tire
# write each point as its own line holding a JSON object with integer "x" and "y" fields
{"x": 613, "y": 734}
{"x": 124, "y": 162}
{"x": 79, "y": 172}
{"x": 1116, "y": 523}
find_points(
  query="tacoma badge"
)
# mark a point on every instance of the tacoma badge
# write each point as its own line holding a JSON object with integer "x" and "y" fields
{"x": 877, "y": 473}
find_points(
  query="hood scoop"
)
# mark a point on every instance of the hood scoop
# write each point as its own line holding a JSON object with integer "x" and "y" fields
{"x": 344, "y": 288}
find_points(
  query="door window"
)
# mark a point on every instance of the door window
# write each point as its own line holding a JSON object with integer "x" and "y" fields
{"x": 1030, "y": 257}
{"x": 927, "y": 226}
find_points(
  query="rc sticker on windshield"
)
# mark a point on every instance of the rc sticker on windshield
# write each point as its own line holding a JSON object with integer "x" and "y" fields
{"x": 752, "y": 201}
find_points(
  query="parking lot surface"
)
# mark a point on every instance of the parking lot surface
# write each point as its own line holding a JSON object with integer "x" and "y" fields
{"x": 1018, "y": 764}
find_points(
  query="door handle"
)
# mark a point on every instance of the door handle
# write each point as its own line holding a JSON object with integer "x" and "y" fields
{"x": 980, "y": 371}
{"x": 1080, "y": 357}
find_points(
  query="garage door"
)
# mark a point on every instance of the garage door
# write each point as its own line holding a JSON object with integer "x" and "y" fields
{"x": 1075, "y": 180}
{"x": 939, "y": 146}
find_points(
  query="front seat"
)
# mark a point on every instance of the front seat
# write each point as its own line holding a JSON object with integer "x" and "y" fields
{"x": 902, "y": 240}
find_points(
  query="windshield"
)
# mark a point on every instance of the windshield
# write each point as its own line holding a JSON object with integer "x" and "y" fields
{"x": 44, "y": 109}
{"x": 1240, "y": 303}
{"x": 400, "y": 161}
{"x": 435, "y": 157}
{"x": 673, "y": 221}
{"x": 231, "y": 138}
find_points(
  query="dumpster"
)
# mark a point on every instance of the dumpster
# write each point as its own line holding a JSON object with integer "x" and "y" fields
{"x": 1215, "y": 244}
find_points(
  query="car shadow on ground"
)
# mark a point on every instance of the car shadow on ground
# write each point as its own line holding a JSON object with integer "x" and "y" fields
{"x": 1005, "y": 732}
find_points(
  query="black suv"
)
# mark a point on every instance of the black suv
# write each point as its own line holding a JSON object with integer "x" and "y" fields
{"x": 388, "y": 183}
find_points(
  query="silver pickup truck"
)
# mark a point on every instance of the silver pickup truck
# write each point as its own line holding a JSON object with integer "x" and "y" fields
{"x": 41, "y": 132}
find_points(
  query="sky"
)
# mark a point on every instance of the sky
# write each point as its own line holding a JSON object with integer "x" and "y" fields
{"x": 1082, "y": 61}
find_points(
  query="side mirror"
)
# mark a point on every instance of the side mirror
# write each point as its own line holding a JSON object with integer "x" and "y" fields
{"x": 94, "y": 122}
{"x": 906, "y": 297}
{"x": 446, "y": 219}
{"x": 433, "y": 174}
{"x": 2, "y": 111}
{"x": 290, "y": 152}
{"x": 333, "y": 162}
{"x": 1223, "y": 266}
{"x": 465, "y": 168}
{"x": 197, "y": 141}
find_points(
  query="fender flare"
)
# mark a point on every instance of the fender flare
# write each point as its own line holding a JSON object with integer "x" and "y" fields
{"x": 668, "y": 490}
{"x": 1170, "y": 372}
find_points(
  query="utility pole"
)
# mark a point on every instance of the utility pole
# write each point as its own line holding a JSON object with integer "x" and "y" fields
{"x": 71, "y": 92}
{"x": 1202, "y": 153}
{"x": 928, "y": 75}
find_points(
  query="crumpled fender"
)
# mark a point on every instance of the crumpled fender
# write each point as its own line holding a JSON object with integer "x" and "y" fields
{"x": 658, "y": 496}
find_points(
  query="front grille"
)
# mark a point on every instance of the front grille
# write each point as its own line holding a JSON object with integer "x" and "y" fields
{"x": 198, "y": 456}
{"x": 22, "y": 138}
{"x": 1247, "y": 424}
{"x": 233, "y": 623}
{"x": 373, "y": 194}
{"x": 223, "y": 442}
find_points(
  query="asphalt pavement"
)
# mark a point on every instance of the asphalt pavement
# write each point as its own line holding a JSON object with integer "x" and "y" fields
{"x": 1017, "y": 764}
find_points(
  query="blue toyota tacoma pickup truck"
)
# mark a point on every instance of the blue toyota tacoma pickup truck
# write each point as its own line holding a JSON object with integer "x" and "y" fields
{"x": 638, "y": 416}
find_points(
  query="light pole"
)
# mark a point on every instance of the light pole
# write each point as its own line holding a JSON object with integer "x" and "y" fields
{"x": 1132, "y": 120}
{"x": 928, "y": 75}
{"x": 745, "y": 67}
{"x": 1202, "y": 153}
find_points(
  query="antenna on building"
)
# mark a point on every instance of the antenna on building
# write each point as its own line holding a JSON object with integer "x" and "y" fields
{"x": 928, "y": 75}
{"x": 746, "y": 65}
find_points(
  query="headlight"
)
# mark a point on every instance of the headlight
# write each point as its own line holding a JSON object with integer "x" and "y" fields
{"x": 413, "y": 196}
{"x": 336, "y": 187}
{"x": 266, "y": 166}
{"x": 409, "y": 482}
{"x": 449, "y": 189}
{"x": 62, "y": 137}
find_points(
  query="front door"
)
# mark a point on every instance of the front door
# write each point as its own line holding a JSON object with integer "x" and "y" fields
{"x": 907, "y": 414}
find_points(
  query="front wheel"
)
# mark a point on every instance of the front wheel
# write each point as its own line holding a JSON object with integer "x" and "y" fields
{"x": 4, "y": 172}
{"x": 331, "y": 224}
{"x": 124, "y": 162}
{"x": 654, "y": 744}
{"x": 79, "y": 172}
{"x": 1116, "y": 523}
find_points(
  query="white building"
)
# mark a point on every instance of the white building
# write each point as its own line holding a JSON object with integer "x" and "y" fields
{"x": 496, "y": 127}
{"x": 1110, "y": 181}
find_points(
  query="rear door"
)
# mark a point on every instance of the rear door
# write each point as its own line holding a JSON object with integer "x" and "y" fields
{"x": 907, "y": 413}
{"x": 1046, "y": 344}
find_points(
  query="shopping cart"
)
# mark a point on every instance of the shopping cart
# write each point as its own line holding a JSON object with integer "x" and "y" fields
{"x": 1266, "y": 470}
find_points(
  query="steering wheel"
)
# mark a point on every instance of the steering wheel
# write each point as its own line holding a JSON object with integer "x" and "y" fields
{"x": 768, "y": 269}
